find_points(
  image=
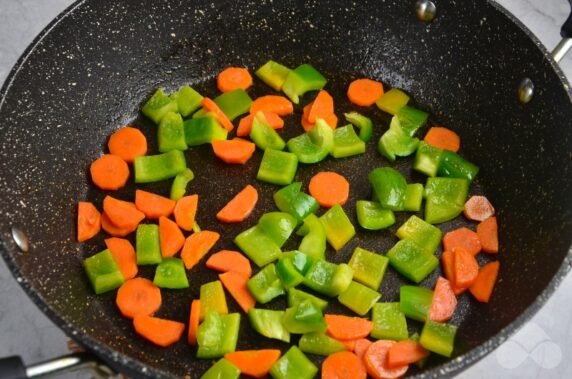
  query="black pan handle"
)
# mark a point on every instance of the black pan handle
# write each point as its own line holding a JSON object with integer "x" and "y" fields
{"x": 566, "y": 43}
{"x": 14, "y": 368}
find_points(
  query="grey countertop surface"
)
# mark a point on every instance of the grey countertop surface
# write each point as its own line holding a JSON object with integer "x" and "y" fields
{"x": 541, "y": 349}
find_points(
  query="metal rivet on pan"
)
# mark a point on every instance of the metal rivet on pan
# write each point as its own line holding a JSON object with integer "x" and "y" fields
{"x": 21, "y": 239}
{"x": 426, "y": 10}
{"x": 525, "y": 90}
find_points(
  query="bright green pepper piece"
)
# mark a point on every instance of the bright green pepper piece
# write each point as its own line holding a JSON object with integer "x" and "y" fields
{"x": 188, "y": 100}
{"x": 234, "y": 103}
{"x": 427, "y": 159}
{"x": 320, "y": 344}
{"x": 411, "y": 119}
{"x": 222, "y": 369}
{"x": 415, "y": 302}
{"x": 388, "y": 322}
{"x": 103, "y": 272}
{"x": 159, "y": 105}
{"x": 296, "y": 296}
{"x": 154, "y": 168}
{"x": 273, "y": 73}
{"x": 413, "y": 197}
{"x": 217, "y": 335}
{"x": 304, "y": 317}
{"x": 363, "y": 123}
{"x": 265, "y": 285}
{"x": 369, "y": 267}
{"x": 291, "y": 200}
{"x": 148, "y": 245}
{"x": 389, "y": 187}
{"x": 179, "y": 185}
{"x": 288, "y": 273}
{"x": 278, "y": 226}
{"x": 314, "y": 242}
{"x": 170, "y": 273}
{"x": 359, "y": 298}
{"x": 293, "y": 364}
{"x": 314, "y": 145}
{"x": 264, "y": 136}
{"x": 171, "y": 134}
{"x": 212, "y": 298}
{"x": 339, "y": 229}
{"x": 231, "y": 324}
{"x": 395, "y": 142}
{"x": 411, "y": 260}
{"x": 328, "y": 278}
{"x": 421, "y": 232}
{"x": 347, "y": 143}
{"x": 277, "y": 167}
{"x": 438, "y": 338}
{"x": 269, "y": 323}
{"x": 444, "y": 198}
{"x": 257, "y": 246}
{"x": 302, "y": 79}
{"x": 392, "y": 101}
{"x": 372, "y": 216}
{"x": 452, "y": 165}
{"x": 196, "y": 227}
{"x": 203, "y": 130}
{"x": 301, "y": 261}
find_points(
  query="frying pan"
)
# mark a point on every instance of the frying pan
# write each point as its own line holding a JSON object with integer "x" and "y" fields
{"x": 90, "y": 70}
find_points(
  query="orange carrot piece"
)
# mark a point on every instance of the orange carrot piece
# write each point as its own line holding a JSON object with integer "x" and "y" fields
{"x": 234, "y": 151}
{"x": 194, "y": 319}
{"x": 405, "y": 352}
{"x": 349, "y": 344}
{"x": 185, "y": 211}
{"x": 229, "y": 260}
{"x": 487, "y": 231}
{"x": 88, "y": 221}
{"x": 343, "y": 365}
{"x": 254, "y": 363}
{"x": 272, "y": 103}
{"x": 483, "y": 286}
{"x": 444, "y": 301}
{"x": 306, "y": 124}
{"x": 245, "y": 124}
{"x": 235, "y": 284}
{"x": 240, "y": 207}
{"x": 364, "y": 92}
{"x": 233, "y": 78}
{"x": 197, "y": 245}
{"x": 171, "y": 238}
{"x": 322, "y": 106}
{"x": 153, "y": 205}
{"x": 127, "y": 143}
{"x": 159, "y": 331}
{"x": 138, "y": 297}
{"x": 466, "y": 268}
{"x": 443, "y": 138}
{"x": 448, "y": 262}
{"x": 210, "y": 106}
{"x": 462, "y": 237}
{"x": 348, "y": 328}
{"x": 361, "y": 347}
{"x": 478, "y": 208}
{"x": 112, "y": 229}
{"x": 375, "y": 359}
{"x": 329, "y": 188}
{"x": 332, "y": 121}
{"x": 124, "y": 255}
{"x": 109, "y": 172}
{"x": 122, "y": 214}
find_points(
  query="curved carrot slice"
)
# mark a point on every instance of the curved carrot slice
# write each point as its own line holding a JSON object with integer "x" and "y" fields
{"x": 197, "y": 245}
{"x": 124, "y": 255}
{"x": 364, "y": 92}
{"x": 234, "y": 151}
{"x": 210, "y": 106}
{"x": 112, "y": 229}
{"x": 88, "y": 221}
{"x": 170, "y": 237}
{"x": 349, "y": 344}
{"x": 109, "y": 172}
{"x": 361, "y": 347}
{"x": 483, "y": 286}
{"x": 185, "y": 211}
{"x": 376, "y": 361}
{"x": 159, "y": 331}
{"x": 466, "y": 268}
{"x": 322, "y": 107}
{"x": 448, "y": 263}
{"x": 462, "y": 237}
{"x": 348, "y": 328}
{"x": 240, "y": 207}
{"x": 487, "y": 231}
{"x": 443, "y": 138}
{"x": 233, "y": 78}
{"x": 272, "y": 103}
{"x": 235, "y": 284}
{"x": 343, "y": 365}
{"x": 478, "y": 208}
{"x": 127, "y": 143}
{"x": 306, "y": 124}
{"x": 245, "y": 124}
{"x": 405, "y": 352}
{"x": 329, "y": 188}
{"x": 194, "y": 319}
{"x": 254, "y": 363}
{"x": 138, "y": 297}
{"x": 122, "y": 214}
{"x": 332, "y": 121}
{"x": 153, "y": 205}
{"x": 444, "y": 301}
{"x": 229, "y": 260}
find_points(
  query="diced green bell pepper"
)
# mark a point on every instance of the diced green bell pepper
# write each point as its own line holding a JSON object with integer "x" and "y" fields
{"x": 395, "y": 142}
{"x": 170, "y": 273}
{"x": 277, "y": 167}
{"x": 372, "y": 216}
{"x": 302, "y": 79}
{"x": 147, "y": 244}
{"x": 413, "y": 197}
{"x": 411, "y": 119}
{"x": 411, "y": 260}
{"x": 438, "y": 338}
{"x": 388, "y": 322}
{"x": 171, "y": 134}
{"x": 196, "y": 227}
{"x": 234, "y": 103}
{"x": 361, "y": 122}
{"x": 369, "y": 267}
{"x": 159, "y": 105}
{"x": 103, "y": 272}
{"x": 258, "y": 246}
{"x": 359, "y": 298}
{"x": 263, "y": 135}
{"x": 314, "y": 242}
{"x": 389, "y": 187}
{"x": 222, "y": 369}
{"x": 291, "y": 200}
{"x": 320, "y": 344}
{"x": 328, "y": 278}
{"x": 296, "y": 296}
{"x": 314, "y": 145}
{"x": 454, "y": 166}
{"x": 273, "y": 73}
{"x": 444, "y": 198}
{"x": 217, "y": 335}
{"x": 301, "y": 261}
{"x": 415, "y": 302}
{"x": 347, "y": 143}
{"x": 269, "y": 323}
{"x": 265, "y": 285}
{"x": 278, "y": 226}
{"x": 422, "y": 233}
{"x": 304, "y": 317}
{"x": 392, "y": 101}
{"x": 203, "y": 130}
{"x": 179, "y": 185}
{"x": 188, "y": 100}
{"x": 427, "y": 159}
{"x": 293, "y": 364}
{"x": 212, "y": 298}
{"x": 154, "y": 168}
{"x": 288, "y": 273}
{"x": 339, "y": 229}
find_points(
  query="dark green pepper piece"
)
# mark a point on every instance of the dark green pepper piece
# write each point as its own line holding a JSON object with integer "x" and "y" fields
{"x": 372, "y": 216}
{"x": 361, "y": 122}
{"x": 302, "y": 79}
{"x": 170, "y": 273}
{"x": 395, "y": 142}
{"x": 415, "y": 302}
{"x": 147, "y": 244}
{"x": 203, "y": 130}
{"x": 278, "y": 226}
{"x": 301, "y": 261}
{"x": 265, "y": 285}
{"x": 258, "y": 246}
{"x": 159, "y": 105}
{"x": 452, "y": 165}
{"x": 171, "y": 134}
{"x": 287, "y": 273}
{"x": 411, "y": 260}
{"x": 314, "y": 145}
{"x": 277, "y": 167}
{"x": 291, "y": 200}
{"x": 320, "y": 344}
{"x": 347, "y": 143}
{"x": 103, "y": 272}
{"x": 293, "y": 364}
{"x": 411, "y": 119}
{"x": 304, "y": 317}
{"x": 389, "y": 187}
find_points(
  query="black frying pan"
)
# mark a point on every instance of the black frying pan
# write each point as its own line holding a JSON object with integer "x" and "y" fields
{"x": 89, "y": 71}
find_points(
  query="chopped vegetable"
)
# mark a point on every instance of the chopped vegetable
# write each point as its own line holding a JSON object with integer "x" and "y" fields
{"x": 221, "y": 117}
{"x": 478, "y": 208}
{"x": 338, "y": 227}
{"x": 319, "y": 344}
{"x": 154, "y": 168}
{"x": 396, "y": 142}
{"x": 372, "y": 216}
{"x": 122, "y": 214}
{"x": 388, "y": 322}
{"x": 170, "y": 273}
{"x": 153, "y": 205}
{"x": 254, "y": 363}
{"x": 329, "y": 188}
{"x": 223, "y": 368}
{"x": 273, "y": 73}
{"x": 322, "y": 106}
{"x": 483, "y": 286}
{"x": 363, "y": 123}
{"x": 413, "y": 197}
{"x": 302, "y": 79}
{"x": 304, "y": 317}
{"x": 103, "y": 272}
{"x": 88, "y": 221}
{"x": 179, "y": 185}
{"x": 411, "y": 119}
{"x": 301, "y": 261}
{"x": 466, "y": 268}
{"x": 293, "y": 364}
{"x": 158, "y": 105}
{"x": 427, "y": 159}
{"x": 415, "y": 302}
{"x": 364, "y": 92}
{"x": 138, "y": 297}
{"x": 229, "y": 260}
{"x": 245, "y": 125}
{"x": 411, "y": 260}
{"x": 438, "y": 338}
{"x": 113, "y": 229}
{"x": 291, "y": 200}
{"x": 359, "y": 298}
{"x": 269, "y": 323}
{"x": 232, "y": 104}
{"x": 194, "y": 320}
{"x": 263, "y": 135}
{"x": 444, "y": 301}
{"x": 392, "y": 101}
{"x": 232, "y": 78}
{"x": 185, "y": 212}
{"x": 212, "y": 299}
{"x": 375, "y": 360}
{"x": 405, "y": 352}
{"x": 369, "y": 267}
{"x": 236, "y": 284}
{"x": 452, "y": 165}
{"x": 487, "y": 231}
{"x": 348, "y": 328}
{"x": 265, "y": 285}
{"x": 443, "y": 138}
{"x": 157, "y": 330}
{"x": 271, "y": 103}
{"x": 203, "y": 130}
{"x": 422, "y": 233}
{"x": 188, "y": 100}
{"x": 448, "y": 263}
{"x": 360, "y": 347}
{"x": 109, "y": 172}
{"x": 235, "y": 151}
{"x": 127, "y": 143}
{"x": 296, "y": 296}
{"x": 148, "y": 246}
{"x": 389, "y": 187}
{"x": 217, "y": 335}
{"x": 288, "y": 273}
{"x": 240, "y": 206}
{"x": 343, "y": 364}
{"x": 257, "y": 246}
{"x": 197, "y": 245}
{"x": 314, "y": 145}
{"x": 171, "y": 133}
{"x": 347, "y": 143}
{"x": 170, "y": 237}
{"x": 444, "y": 198}
{"x": 328, "y": 278}
{"x": 124, "y": 255}
{"x": 277, "y": 167}
{"x": 278, "y": 226}
{"x": 462, "y": 237}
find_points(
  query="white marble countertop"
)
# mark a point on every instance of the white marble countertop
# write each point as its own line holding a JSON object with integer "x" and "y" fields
{"x": 539, "y": 350}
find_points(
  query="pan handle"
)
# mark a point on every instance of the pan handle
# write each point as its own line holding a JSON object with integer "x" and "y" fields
{"x": 566, "y": 43}
{"x": 14, "y": 368}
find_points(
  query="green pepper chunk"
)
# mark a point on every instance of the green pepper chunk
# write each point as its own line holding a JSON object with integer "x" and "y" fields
{"x": 171, "y": 134}
{"x": 427, "y": 159}
{"x": 147, "y": 244}
{"x": 301, "y": 261}
{"x": 392, "y": 101}
{"x": 339, "y": 229}
{"x": 277, "y": 167}
{"x": 359, "y": 298}
{"x": 217, "y": 335}
{"x": 196, "y": 227}
{"x": 314, "y": 242}
{"x": 444, "y": 198}
{"x": 421, "y": 232}
{"x": 264, "y": 136}
{"x": 411, "y": 260}
{"x": 170, "y": 273}
{"x": 158, "y": 106}
{"x": 369, "y": 267}
{"x": 269, "y": 323}
{"x": 413, "y": 197}
{"x": 179, "y": 185}
{"x": 452, "y": 165}
{"x": 278, "y": 226}
{"x": 234, "y": 103}
{"x": 320, "y": 344}
{"x": 372, "y": 216}
{"x": 395, "y": 142}
{"x": 363, "y": 123}
{"x": 302, "y": 79}
{"x": 438, "y": 338}
{"x": 188, "y": 100}
{"x": 203, "y": 130}
{"x": 273, "y": 73}
{"x": 288, "y": 273}
{"x": 347, "y": 143}
{"x": 291, "y": 200}
{"x": 265, "y": 285}
{"x": 256, "y": 244}
{"x": 328, "y": 278}
{"x": 103, "y": 272}
{"x": 293, "y": 364}
{"x": 154, "y": 168}
{"x": 296, "y": 296}
{"x": 212, "y": 298}
{"x": 388, "y": 322}
{"x": 411, "y": 119}
{"x": 389, "y": 187}
{"x": 304, "y": 317}
{"x": 314, "y": 145}
{"x": 415, "y": 302}
{"x": 222, "y": 369}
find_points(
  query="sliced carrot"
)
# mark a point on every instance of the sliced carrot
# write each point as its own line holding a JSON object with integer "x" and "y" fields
{"x": 405, "y": 352}
{"x": 487, "y": 231}
{"x": 112, "y": 229}
{"x": 170, "y": 237}
{"x": 349, "y": 344}
{"x": 124, "y": 255}
{"x": 254, "y": 363}
{"x": 235, "y": 284}
{"x": 138, "y": 297}
{"x": 122, "y": 214}
{"x": 329, "y": 188}
{"x": 443, "y": 138}
{"x": 109, "y": 172}
{"x": 210, "y": 106}
{"x": 348, "y": 328}
{"x": 229, "y": 260}
{"x": 88, "y": 221}
{"x": 194, "y": 319}
{"x": 448, "y": 263}
{"x": 159, "y": 331}
{"x": 331, "y": 119}
{"x": 197, "y": 245}
{"x": 240, "y": 207}
{"x": 466, "y": 268}
{"x": 483, "y": 286}
{"x": 478, "y": 208}
{"x": 233, "y": 78}
{"x": 361, "y": 346}
{"x": 364, "y": 92}
{"x": 322, "y": 106}
{"x": 127, "y": 143}
{"x": 462, "y": 237}
{"x": 234, "y": 151}
{"x": 444, "y": 301}
{"x": 153, "y": 205}
{"x": 185, "y": 211}
{"x": 245, "y": 124}
{"x": 376, "y": 361}
{"x": 343, "y": 365}
{"x": 272, "y": 103}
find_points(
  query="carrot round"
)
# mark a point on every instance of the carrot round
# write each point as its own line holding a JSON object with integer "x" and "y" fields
{"x": 194, "y": 319}
{"x": 171, "y": 238}
{"x": 329, "y": 188}
{"x": 124, "y": 255}
{"x": 478, "y": 208}
{"x": 443, "y": 138}
{"x": 240, "y": 207}
{"x": 159, "y": 331}
{"x": 254, "y": 363}
{"x": 138, "y": 297}
{"x": 235, "y": 284}
{"x": 88, "y": 221}
{"x": 196, "y": 246}
{"x": 122, "y": 214}
{"x": 375, "y": 359}
{"x": 466, "y": 268}
{"x": 349, "y": 344}
{"x": 185, "y": 211}
{"x": 109, "y": 172}
{"x": 343, "y": 365}
{"x": 482, "y": 288}
{"x": 234, "y": 151}
{"x": 444, "y": 301}
{"x": 272, "y": 103}
{"x": 127, "y": 143}
{"x": 462, "y": 237}
{"x": 233, "y": 78}
{"x": 229, "y": 260}
{"x": 448, "y": 263}
{"x": 364, "y": 92}
{"x": 322, "y": 106}
{"x": 405, "y": 352}
{"x": 222, "y": 118}
{"x": 348, "y": 328}
{"x": 360, "y": 347}
{"x": 245, "y": 124}
{"x": 112, "y": 229}
{"x": 487, "y": 231}
{"x": 153, "y": 205}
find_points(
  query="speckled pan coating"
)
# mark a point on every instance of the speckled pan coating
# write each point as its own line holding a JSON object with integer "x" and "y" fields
{"x": 90, "y": 70}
